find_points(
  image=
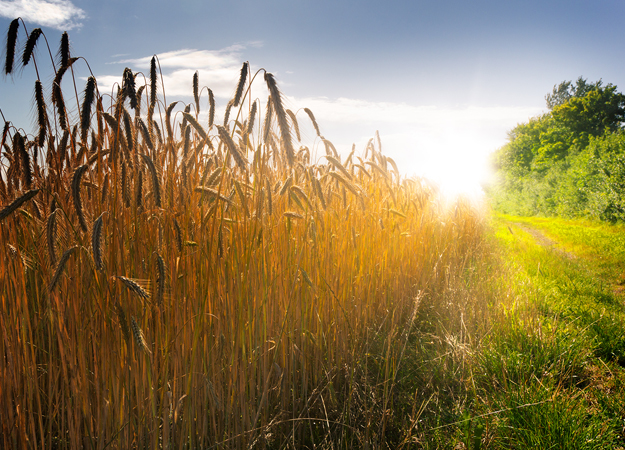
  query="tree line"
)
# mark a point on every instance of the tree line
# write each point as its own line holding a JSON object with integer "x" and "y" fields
{"x": 569, "y": 161}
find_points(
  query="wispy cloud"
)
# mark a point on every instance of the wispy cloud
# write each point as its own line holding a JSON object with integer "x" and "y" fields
{"x": 60, "y": 14}
{"x": 217, "y": 69}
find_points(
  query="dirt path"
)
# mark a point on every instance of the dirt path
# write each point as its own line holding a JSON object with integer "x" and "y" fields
{"x": 545, "y": 241}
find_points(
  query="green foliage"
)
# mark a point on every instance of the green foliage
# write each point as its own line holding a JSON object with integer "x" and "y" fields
{"x": 567, "y": 162}
{"x": 566, "y": 90}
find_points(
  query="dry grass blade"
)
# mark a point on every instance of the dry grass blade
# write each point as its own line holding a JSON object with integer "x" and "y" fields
{"x": 78, "y": 173}
{"x": 4, "y": 213}
{"x": 61, "y": 267}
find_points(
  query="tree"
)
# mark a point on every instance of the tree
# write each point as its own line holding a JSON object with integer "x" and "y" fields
{"x": 564, "y": 91}
{"x": 553, "y": 163}
{"x": 600, "y": 110}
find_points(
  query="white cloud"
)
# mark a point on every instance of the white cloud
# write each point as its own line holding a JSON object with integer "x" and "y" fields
{"x": 60, "y": 14}
{"x": 218, "y": 69}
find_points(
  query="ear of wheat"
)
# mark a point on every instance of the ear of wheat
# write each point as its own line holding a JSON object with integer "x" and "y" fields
{"x": 4, "y": 213}
{"x": 96, "y": 242}
{"x": 61, "y": 266}
{"x": 138, "y": 336}
{"x": 78, "y": 173}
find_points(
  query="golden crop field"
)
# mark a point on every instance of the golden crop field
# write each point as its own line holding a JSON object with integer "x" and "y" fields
{"x": 174, "y": 279}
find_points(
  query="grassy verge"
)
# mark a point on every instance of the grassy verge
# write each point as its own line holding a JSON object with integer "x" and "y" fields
{"x": 553, "y": 366}
{"x": 533, "y": 356}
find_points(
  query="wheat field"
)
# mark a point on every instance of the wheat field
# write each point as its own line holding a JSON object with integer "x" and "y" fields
{"x": 171, "y": 279}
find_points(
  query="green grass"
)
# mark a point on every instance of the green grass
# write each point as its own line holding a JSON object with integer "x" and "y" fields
{"x": 554, "y": 367}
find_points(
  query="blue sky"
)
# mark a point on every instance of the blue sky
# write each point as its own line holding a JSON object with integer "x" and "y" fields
{"x": 442, "y": 81}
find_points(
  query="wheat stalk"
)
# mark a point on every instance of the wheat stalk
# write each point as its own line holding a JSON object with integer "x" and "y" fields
{"x": 239, "y": 159}
{"x": 51, "y": 235}
{"x": 160, "y": 279}
{"x": 285, "y": 132}
{"x": 96, "y": 242}
{"x": 313, "y": 120}
{"x": 4, "y": 213}
{"x": 10, "y": 48}
{"x": 59, "y": 269}
{"x": 156, "y": 185}
{"x": 241, "y": 85}
{"x": 42, "y": 117}
{"x": 137, "y": 334}
{"x": 78, "y": 173}
{"x": 295, "y": 124}
{"x": 133, "y": 286}
{"x": 85, "y": 115}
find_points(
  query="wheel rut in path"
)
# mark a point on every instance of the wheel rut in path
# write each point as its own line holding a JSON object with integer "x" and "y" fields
{"x": 544, "y": 241}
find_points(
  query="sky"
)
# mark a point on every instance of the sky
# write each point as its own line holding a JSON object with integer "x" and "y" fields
{"x": 443, "y": 81}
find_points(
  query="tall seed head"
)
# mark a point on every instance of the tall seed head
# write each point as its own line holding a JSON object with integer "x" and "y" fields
{"x": 64, "y": 50}
{"x": 30, "y": 45}
{"x": 285, "y": 132}
{"x": 196, "y": 91}
{"x": 85, "y": 114}
{"x": 241, "y": 85}
{"x": 10, "y": 46}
